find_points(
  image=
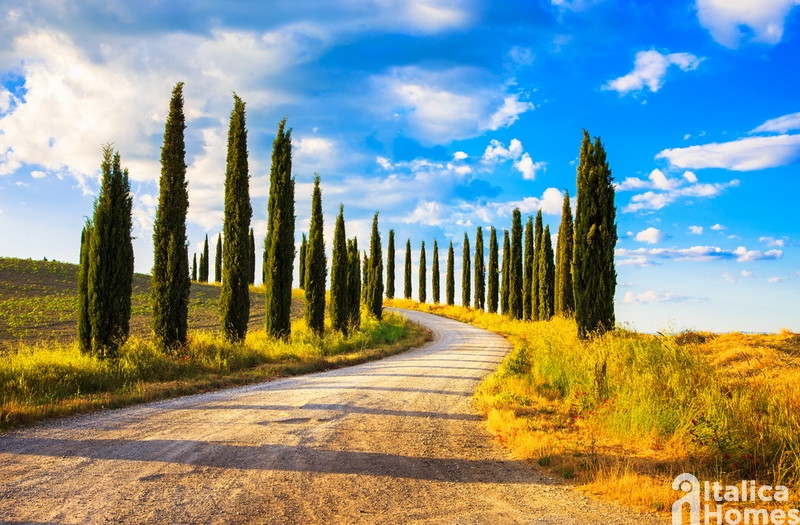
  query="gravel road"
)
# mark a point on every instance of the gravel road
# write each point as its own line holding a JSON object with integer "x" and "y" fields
{"x": 395, "y": 441}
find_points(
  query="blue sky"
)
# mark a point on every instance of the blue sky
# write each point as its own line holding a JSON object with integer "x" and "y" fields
{"x": 443, "y": 115}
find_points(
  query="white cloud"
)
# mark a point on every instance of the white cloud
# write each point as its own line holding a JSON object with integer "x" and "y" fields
{"x": 661, "y": 182}
{"x": 429, "y": 213}
{"x": 765, "y": 18}
{"x": 460, "y": 155}
{"x": 651, "y": 296}
{"x": 497, "y": 151}
{"x": 746, "y": 154}
{"x": 691, "y": 177}
{"x": 5, "y": 99}
{"x": 776, "y": 280}
{"x": 651, "y": 236}
{"x": 649, "y": 70}
{"x": 550, "y": 203}
{"x": 384, "y": 162}
{"x": 655, "y": 201}
{"x": 36, "y": 174}
{"x": 729, "y": 277}
{"x": 508, "y": 113}
{"x": 695, "y": 230}
{"x": 780, "y": 124}
{"x": 631, "y": 183}
{"x": 648, "y": 256}
{"x": 718, "y": 227}
{"x": 528, "y": 168}
{"x": 771, "y": 241}
{"x": 656, "y": 180}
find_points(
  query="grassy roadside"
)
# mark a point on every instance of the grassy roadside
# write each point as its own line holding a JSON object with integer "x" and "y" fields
{"x": 619, "y": 417}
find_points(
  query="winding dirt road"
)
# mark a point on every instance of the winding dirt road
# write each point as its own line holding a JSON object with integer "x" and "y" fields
{"x": 394, "y": 441}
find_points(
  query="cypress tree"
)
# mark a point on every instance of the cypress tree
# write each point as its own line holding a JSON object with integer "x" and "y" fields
{"x": 316, "y": 265}
{"x": 200, "y": 269}
{"x": 593, "y": 273}
{"x": 234, "y": 296}
{"x": 435, "y": 274}
{"x": 515, "y": 267}
{"x": 194, "y": 267}
{"x": 279, "y": 245}
{"x": 375, "y": 292}
{"x": 252, "y": 269}
{"x": 364, "y": 278}
{"x": 354, "y": 284}
{"x": 504, "y": 289}
{"x": 527, "y": 281}
{"x": 407, "y": 272}
{"x": 480, "y": 271}
{"x": 465, "y": 271}
{"x": 547, "y": 278}
{"x": 204, "y": 260}
{"x": 450, "y": 284}
{"x": 423, "y": 275}
{"x": 340, "y": 285}
{"x": 302, "y": 262}
{"x": 564, "y": 300}
{"x": 390, "y": 266}
{"x": 170, "y": 280}
{"x": 84, "y": 323}
{"x": 218, "y": 260}
{"x": 537, "y": 263}
{"x": 493, "y": 277}
{"x": 110, "y": 272}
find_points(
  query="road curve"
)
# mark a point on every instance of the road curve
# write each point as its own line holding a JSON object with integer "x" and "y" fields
{"x": 394, "y": 441}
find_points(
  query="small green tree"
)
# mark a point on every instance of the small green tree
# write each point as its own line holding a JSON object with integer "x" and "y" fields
{"x": 204, "y": 262}
{"x": 302, "y": 262}
{"x": 365, "y": 278}
{"x": 493, "y": 277}
{"x": 354, "y": 284}
{"x": 340, "y": 283}
{"x": 527, "y": 283}
{"x": 450, "y": 279}
{"x": 390, "y": 254}
{"x": 547, "y": 278}
{"x": 234, "y": 296}
{"x": 515, "y": 267}
{"x": 564, "y": 300}
{"x": 537, "y": 265}
{"x": 423, "y": 281}
{"x": 375, "y": 292}
{"x": 407, "y": 272}
{"x": 170, "y": 279}
{"x": 316, "y": 266}
{"x": 435, "y": 274}
{"x": 194, "y": 267}
{"x": 504, "y": 288}
{"x": 84, "y": 323}
{"x": 480, "y": 271}
{"x": 252, "y": 269}
{"x": 466, "y": 292}
{"x": 218, "y": 260}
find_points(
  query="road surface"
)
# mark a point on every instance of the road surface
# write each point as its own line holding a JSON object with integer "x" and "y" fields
{"x": 395, "y": 441}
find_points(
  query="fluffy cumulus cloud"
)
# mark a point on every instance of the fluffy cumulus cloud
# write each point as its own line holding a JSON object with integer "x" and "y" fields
{"x": 724, "y": 19}
{"x": 695, "y": 230}
{"x": 651, "y": 236}
{"x": 652, "y": 296}
{"x": 648, "y": 256}
{"x": 771, "y": 241}
{"x": 746, "y": 154}
{"x": 496, "y": 151}
{"x": 439, "y": 106}
{"x": 650, "y": 69}
{"x": 665, "y": 190}
{"x": 528, "y": 168}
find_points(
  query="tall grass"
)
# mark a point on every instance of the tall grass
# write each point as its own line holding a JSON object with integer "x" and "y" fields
{"x": 57, "y": 379}
{"x": 628, "y": 411}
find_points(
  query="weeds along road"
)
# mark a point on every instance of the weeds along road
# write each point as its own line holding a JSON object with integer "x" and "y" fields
{"x": 394, "y": 441}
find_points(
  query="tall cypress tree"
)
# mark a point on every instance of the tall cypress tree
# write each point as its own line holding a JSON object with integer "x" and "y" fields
{"x": 435, "y": 274}
{"x": 218, "y": 260}
{"x": 204, "y": 260}
{"x": 504, "y": 289}
{"x": 407, "y": 272}
{"x": 302, "y": 262}
{"x": 84, "y": 323}
{"x": 110, "y": 272}
{"x": 537, "y": 264}
{"x": 279, "y": 243}
{"x": 170, "y": 281}
{"x": 234, "y": 296}
{"x": 316, "y": 265}
{"x": 354, "y": 284}
{"x": 547, "y": 278}
{"x": 564, "y": 300}
{"x": 527, "y": 281}
{"x": 515, "y": 267}
{"x": 466, "y": 292}
{"x": 423, "y": 275}
{"x": 365, "y": 278}
{"x": 593, "y": 272}
{"x": 390, "y": 266}
{"x": 450, "y": 284}
{"x": 340, "y": 284}
{"x": 252, "y": 269}
{"x": 480, "y": 271}
{"x": 493, "y": 277}
{"x": 194, "y": 267}
{"x": 375, "y": 292}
